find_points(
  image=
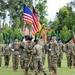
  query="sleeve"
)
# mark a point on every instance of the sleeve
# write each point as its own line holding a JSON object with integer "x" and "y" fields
{"x": 10, "y": 50}
{"x": 56, "y": 49}
{"x": 63, "y": 49}
{"x": 2, "y": 50}
{"x": 66, "y": 48}
{"x": 34, "y": 50}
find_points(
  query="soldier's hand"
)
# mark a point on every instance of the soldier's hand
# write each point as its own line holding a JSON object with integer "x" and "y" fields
{"x": 50, "y": 49}
{"x": 58, "y": 55}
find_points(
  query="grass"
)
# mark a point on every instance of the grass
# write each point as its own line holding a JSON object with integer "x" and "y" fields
{"x": 64, "y": 70}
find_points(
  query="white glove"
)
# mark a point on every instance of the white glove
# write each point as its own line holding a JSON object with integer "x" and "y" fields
{"x": 50, "y": 49}
{"x": 12, "y": 49}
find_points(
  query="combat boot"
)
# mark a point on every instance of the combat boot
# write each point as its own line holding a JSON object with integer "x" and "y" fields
{"x": 26, "y": 73}
{"x": 54, "y": 74}
{"x": 45, "y": 74}
{"x": 36, "y": 74}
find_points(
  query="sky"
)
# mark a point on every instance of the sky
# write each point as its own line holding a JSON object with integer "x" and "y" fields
{"x": 53, "y": 7}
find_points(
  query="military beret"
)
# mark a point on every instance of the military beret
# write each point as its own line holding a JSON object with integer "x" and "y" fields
{"x": 30, "y": 38}
{"x": 35, "y": 40}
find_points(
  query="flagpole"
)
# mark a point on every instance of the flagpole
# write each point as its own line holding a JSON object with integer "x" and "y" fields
{"x": 33, "y": 3}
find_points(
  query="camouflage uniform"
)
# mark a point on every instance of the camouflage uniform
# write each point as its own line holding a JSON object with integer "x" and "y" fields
{"x": 74, "y": 55}
{"x": 27, "y": 55}
{"x": 54, "y": 57}
{"x": 60, "y": 57}
{"x": 22, "y": 51}
{"x": 49, "y": 55}
{"x": 43, "y": 52}
{"x": 69, "y": 53}
{"x": 37, "y": 58}
{"x": 1, "y": 53}
{"x": 6, "y": 53}
{"x": 15, "y": 55}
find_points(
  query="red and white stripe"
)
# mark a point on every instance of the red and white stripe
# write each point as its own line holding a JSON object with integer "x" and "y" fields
{"x": 35, "y": 28}
{"x": 28, "y": 18}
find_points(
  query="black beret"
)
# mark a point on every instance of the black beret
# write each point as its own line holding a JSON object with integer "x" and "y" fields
{"x": 30, "y": 38}
{"x": 36, "y": 41}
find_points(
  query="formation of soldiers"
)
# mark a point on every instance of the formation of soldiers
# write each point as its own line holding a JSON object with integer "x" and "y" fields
{"x": 32, "y": 54}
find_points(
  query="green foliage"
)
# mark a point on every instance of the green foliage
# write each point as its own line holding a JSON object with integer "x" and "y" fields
{"x": 7, "y": 33}
{"x": 16, "y": 23}
{"x": 41, "y": 8}
{"x": 17, "y": 33}
{"x": 50, "y": 33}
{"x": 65, "y": 34}
{"x": 64, "y": 22}
{"x": 1, "y": 37}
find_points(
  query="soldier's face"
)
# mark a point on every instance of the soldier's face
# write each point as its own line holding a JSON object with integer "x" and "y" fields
{"x": 54, "y": 38}
{"x": 6, "y": 44}
{"x": 60, "y": 41}
{"x": 29, "y": 41}
{"x": 16, "y": 40}
{"x": 70, "y": 41}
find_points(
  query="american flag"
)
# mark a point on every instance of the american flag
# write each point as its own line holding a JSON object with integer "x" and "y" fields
{"x": 27, "y": 15}
{"x": 31, "y": 18}
{"x": 36, "y": 27}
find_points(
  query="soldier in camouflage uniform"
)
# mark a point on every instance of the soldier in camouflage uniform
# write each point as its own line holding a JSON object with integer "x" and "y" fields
{"x": 28, "y": 54}
{"x": 6, "y": 53}
{"x": 37, "y": 58}
{"x": 43, "y": 50}
{"x": 54, "y": 55}
{"x": 74, "y": 55}
{"x": 69, "y": 52}
{"x": 15, "y": 54}
{"x": 22, "y": 50}
{"x": 49, "y": 54}
{"x": 1, "y": 53}
{"x": 61, "y": 50}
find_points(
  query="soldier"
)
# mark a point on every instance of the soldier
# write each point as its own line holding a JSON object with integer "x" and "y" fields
{"x": 61, "y": 50}
{"x": 37, "y": 58}
{"x": 28, "y": 54}
{"x": 49, "y": 54}
{"x": 22, "y": 50}
{"x": 69, "y": 52}
{"x": 6, "y": 53}
{"x": 15, "y": 54}
{"x": 1, "y": 53}
{"x": 54, "y": 55}
{"x": 74, "y": 55}
{"x": 43, "y": 50}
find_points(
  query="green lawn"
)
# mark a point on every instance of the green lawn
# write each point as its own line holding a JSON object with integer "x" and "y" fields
{"x": 61, "y": 71}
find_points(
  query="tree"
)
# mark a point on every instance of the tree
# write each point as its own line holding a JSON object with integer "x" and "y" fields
{"x": 3, "y": 7}
{"x": 50, "y": 33}
{"x": 65, "y": 34}
{"x": 7, "y": 33}
{"x": 65, "y": 17}
{"x": 41, "y": 9}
